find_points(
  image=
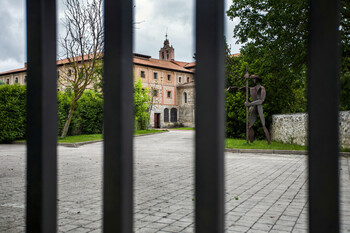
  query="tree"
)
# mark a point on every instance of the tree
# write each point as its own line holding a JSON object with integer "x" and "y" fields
{"x": 83, "y": 48}
{"x": 2, "y": 82}
{"x": 274, "y": 34}
{"x": 141, "y": 103}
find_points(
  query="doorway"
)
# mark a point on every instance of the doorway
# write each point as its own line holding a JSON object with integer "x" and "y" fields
{"x": 157, "y": 120}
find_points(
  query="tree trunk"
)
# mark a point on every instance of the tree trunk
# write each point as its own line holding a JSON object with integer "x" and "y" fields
{"x": 69, "y": 119}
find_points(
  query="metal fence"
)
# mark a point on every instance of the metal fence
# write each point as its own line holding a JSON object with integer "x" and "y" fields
{"x": 323, "y": 75}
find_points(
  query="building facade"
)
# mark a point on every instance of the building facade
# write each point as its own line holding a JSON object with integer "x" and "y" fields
{"x": 170, "y": 82}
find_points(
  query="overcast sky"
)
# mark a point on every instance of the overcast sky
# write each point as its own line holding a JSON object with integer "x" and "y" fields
{"x": 154, "y": 18}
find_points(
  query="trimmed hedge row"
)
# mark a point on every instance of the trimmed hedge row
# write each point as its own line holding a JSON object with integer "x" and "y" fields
{"x": 12, "y": 112}
{"x": 87, "y": 117}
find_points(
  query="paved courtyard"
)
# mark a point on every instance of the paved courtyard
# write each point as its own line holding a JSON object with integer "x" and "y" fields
{"x": 264, "y": 193}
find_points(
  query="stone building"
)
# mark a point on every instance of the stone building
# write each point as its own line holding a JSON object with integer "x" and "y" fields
{"x": 171, "y": 85}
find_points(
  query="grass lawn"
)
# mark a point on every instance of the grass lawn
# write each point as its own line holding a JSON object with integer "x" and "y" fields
{"x": 184, "y": 128}
{"x": 93, "y": 137}
{"x": 150, "y": 131}
{"x": 261, "y": 144}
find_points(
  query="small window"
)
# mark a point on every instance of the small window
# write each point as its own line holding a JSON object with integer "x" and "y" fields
{"x": 169, "y": 77}
{"x": 163, "y": 55}
{"x": 155, "y": 92}
{"x": 25, "y": 79}
{"x": 179, "y": 79}
{"x": 16, "y": 80}
{"x": 69, "y": 72}
{"x": 167, "y": 56}
{"x": 173, "y": 115}
{"x": 155, "y": 75}
{"x": 185, "y": 97}
{"x": 166, "y": 115}
{"x": 58, "y": 74}
{"x": 169, "y": 94}
{"x": 188, "y": 79}
{"x": 7, "y": 81}
{"x": 142, "y": 74}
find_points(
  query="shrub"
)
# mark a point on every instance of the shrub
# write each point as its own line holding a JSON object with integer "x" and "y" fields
{"x": 90, "y": 113}
{"x": 12, "y": 112}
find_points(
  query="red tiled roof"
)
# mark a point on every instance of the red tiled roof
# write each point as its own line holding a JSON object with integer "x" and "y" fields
{"x": 145, "y": 60}
{"x": 14, "y": 71}
{"x": 169, "y": 65}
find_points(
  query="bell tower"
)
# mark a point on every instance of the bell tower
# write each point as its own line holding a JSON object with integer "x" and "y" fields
{"x": 167, "y": 52}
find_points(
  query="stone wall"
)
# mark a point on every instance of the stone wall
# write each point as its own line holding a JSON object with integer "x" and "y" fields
{"x": 292, "y": 128}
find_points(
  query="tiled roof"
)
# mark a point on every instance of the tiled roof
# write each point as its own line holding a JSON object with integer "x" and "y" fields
{"x": 162, "y": 64}
{"x": 139, "y": 60}
{"x": 14, "y": 71}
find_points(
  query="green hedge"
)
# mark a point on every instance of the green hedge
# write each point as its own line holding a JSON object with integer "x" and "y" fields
{"x": 87, "y": 117}
{"x": 12, "y": 112}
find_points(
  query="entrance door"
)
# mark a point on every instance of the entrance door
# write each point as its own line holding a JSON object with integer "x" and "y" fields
{"x": 156, "y": 120}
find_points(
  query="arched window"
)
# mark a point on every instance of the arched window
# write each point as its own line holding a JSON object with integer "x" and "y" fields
{"x": 185, "y": 97}
{"x": 173, "y": 114}
{"x": 166, "y": 115}
{"x": 16, "y": 80}
{"x": 188, "y": 79}
{"x": 179, "y": 79}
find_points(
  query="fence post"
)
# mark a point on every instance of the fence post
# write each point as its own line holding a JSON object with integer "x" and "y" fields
{"x": 118, "y": 117}
{"x": 323, "y": 95}
{"x": 41, "y": 210}
{"x": 209, "y": 170}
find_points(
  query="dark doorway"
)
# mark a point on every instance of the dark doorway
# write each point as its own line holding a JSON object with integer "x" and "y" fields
{"x": 156, "y": 120}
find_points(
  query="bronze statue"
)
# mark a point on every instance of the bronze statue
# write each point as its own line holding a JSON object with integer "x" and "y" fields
{"x": 258, "y": 94}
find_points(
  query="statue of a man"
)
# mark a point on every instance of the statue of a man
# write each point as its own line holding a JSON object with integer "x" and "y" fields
{"x": 258, "y": 94}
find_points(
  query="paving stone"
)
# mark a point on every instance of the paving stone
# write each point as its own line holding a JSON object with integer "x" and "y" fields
{"x": 263, "y": 191}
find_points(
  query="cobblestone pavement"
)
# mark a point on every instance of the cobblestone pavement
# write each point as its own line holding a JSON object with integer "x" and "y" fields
{"x": 264, "y": 193}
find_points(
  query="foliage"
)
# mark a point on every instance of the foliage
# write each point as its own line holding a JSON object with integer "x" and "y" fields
{"x": 141, "y": 103}
{"x": 90, "y": 112}
{"x": 2, "y": 82}
{"x": 261, "y": 144}
{"x": 12, "y": 112}
{"x": 274, "y": 34}
{"x": 82, "y": 47}
{"x": 88, "y": 117}
{"x": 281, "y": 97}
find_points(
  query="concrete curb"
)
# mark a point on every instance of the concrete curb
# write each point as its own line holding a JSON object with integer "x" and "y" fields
{"x": 283, "y": 152}
{"x": 77, "y": 144}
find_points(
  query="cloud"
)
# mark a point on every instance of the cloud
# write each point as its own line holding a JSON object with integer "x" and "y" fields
{"x": 153, "y": 19}
{"x": 12, "y": 36}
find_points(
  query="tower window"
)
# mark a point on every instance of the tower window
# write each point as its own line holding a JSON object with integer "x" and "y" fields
{"x": 169, "y": 77}
{"x": 185, "y": 97}
{"x": 7, "y": 81}
{"x": 16, "y": 80}
{"x": 179, "y": 79}
{"x": 188, "y": 79}
{"x": 155, "y": 75}
{"x": 169, "y": 94}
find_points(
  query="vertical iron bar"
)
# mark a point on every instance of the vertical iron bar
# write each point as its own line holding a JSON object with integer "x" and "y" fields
{"x": 323, "y": 95}
{"x": 209, "y": 165}
{"x": 41, "y": 210}
{"x": 118, "y": 117}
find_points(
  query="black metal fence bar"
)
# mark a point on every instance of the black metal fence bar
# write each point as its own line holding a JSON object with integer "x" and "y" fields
{"x": 209, "y": 165}
{"x": 41, "y": 117}
{"x": 118, "y": 117}
{"x": 323, "y": 76}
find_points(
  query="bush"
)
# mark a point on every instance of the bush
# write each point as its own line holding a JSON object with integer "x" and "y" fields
{"x": 12, "y": 112}
{"x": 87, "y": 116}
{"x": 90, "y": 113}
